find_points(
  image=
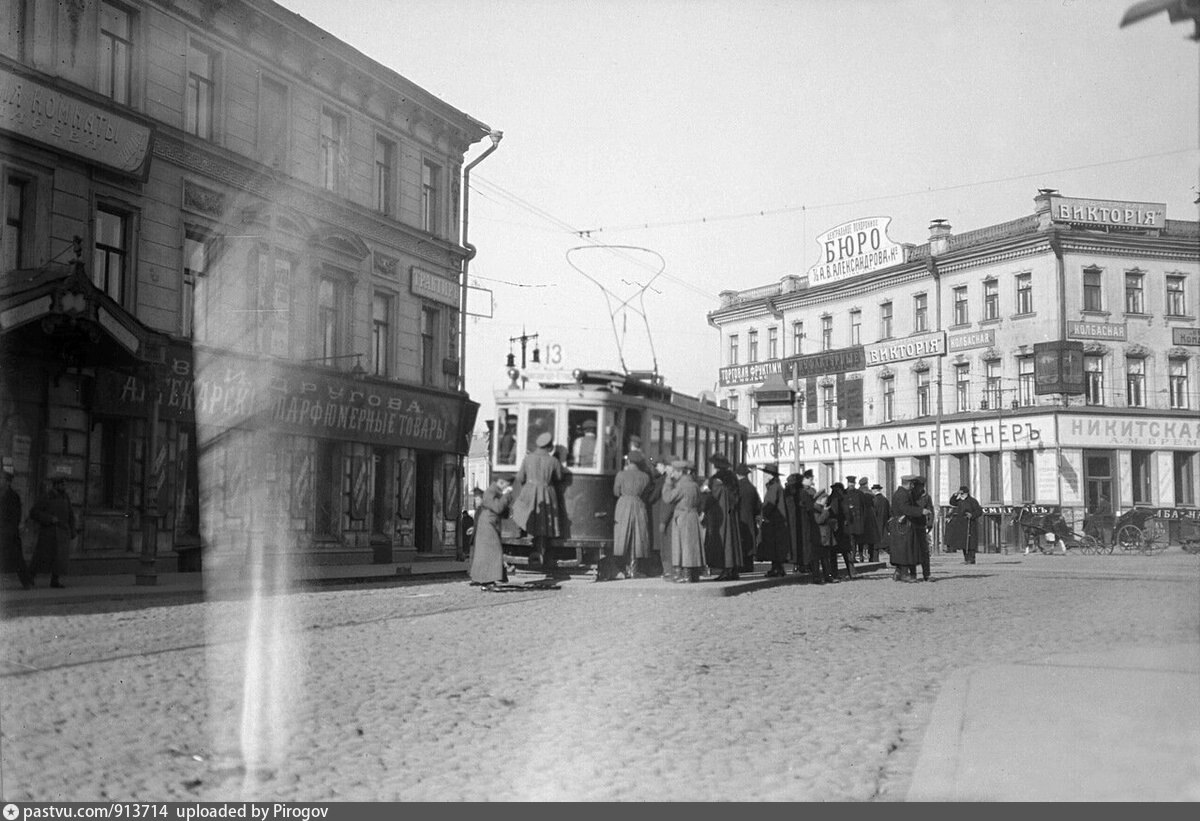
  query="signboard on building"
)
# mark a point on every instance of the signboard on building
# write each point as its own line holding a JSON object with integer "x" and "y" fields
{"x": 914, "y": 347}
{"x": 1058, "y": 368}
{"x": 856, "y": 247}
{"x": 1114, "y": 213}
{"x": 753, "y": 372}
{"x": 972, "y": 339}
{"x": 1185, "y": 336}
{"x": 842, "y": 360}
{"x": 72, "y": 125}
{"x": 432, "y": 286}
{"x": 1129, "y": 431}
{"x": 1114, "y": 331}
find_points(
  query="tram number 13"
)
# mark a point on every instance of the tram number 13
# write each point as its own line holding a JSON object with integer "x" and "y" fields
{"x": 553, "y": 354}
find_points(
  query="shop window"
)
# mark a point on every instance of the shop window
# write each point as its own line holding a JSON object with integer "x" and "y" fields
{"x": 1140, "y": 462}
{"x": 1184, "y": 470}
{"x": 327, "y": 486}
{"x": 1024, "y": 465}
{"x": 961, "y": 465}
{"x": 991, "y": 476}
{"x": 1098, "y": 481}
{"x": 733, "y": 349}
{"x": 380, "y": 520}
{"x": 110, "y": 464}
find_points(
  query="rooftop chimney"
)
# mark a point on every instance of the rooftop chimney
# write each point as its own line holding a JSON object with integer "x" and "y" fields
{"x": 1042, "y": 206}
{"x": 939, "y": 237}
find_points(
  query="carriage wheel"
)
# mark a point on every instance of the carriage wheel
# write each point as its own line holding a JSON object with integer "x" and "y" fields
{"x": 1130, "y": 537}
{"x": 1089, "y": 544}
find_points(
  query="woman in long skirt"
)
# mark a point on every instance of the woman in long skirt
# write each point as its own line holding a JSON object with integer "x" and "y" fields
{"x": 487, "y": 553}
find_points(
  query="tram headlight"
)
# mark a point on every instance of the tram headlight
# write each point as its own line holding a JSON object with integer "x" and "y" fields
{"x": 513, "y": 374}
{"x": 578, "y": 374}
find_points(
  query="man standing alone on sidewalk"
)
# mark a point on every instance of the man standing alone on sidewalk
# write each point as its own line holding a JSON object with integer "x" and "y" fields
{"x": 962, "y": 529}
{"x": 907, "y": 529}
{"x": 12, "y": 553}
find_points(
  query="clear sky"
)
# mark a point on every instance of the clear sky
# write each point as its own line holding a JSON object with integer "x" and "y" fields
{"x": 724, "y": 135}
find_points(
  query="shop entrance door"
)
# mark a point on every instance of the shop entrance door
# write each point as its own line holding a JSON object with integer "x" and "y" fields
{"x": 423, "y": 513}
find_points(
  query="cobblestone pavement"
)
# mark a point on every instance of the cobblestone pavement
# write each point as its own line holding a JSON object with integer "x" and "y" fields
{"x": 625, "y": 691}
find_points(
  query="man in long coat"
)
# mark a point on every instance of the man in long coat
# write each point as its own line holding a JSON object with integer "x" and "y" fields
{"x": 749, "y": 509}
{"x": 631, "y": 525}
{"x": 773, "y": 536}
{"x": 791, "y": 514}
{"x": 882, "y": 509}
{"x": 487, "y": 551}
{"x": 687, "y": 543}
{"x": 908, "y": 531}
{"x": 868, "y": 541}
{"x": 843, "y": 543}
{"x": 853, "y": 517}
{"x": 813, "y": 555}
{"x": 56, "y": 520}
{"x": 722, "y": 540}
{"x": 962, "y": 526}
{"x": 12, "y": 553}
{"x": 536, "y": 508}
{"x": 922, "y": 500}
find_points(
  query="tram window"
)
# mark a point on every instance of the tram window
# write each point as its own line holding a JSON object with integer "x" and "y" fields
{"x": 671, "y": 436}
{"x": 656, "y": 434}
{"x": 701, "y": 459}
{"x": 506, "y": 438}
{"x": 584, "y": 441}
{"x": 612, "y": 438}
{"x": 541, "y": 420}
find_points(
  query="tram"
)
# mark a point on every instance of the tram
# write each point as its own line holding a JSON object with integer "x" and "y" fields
{"x": 592, "y": 416}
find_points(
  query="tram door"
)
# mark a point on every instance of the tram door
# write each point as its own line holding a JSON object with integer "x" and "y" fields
{"x": 424, "y": 510}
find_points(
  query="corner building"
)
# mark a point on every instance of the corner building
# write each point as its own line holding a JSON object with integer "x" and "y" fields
{"x": 230, "y": 287}
{"x": 891, "y": 358}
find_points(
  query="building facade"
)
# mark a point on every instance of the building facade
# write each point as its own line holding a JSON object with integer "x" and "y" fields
{"x": 230, "y": 296}
{"x": 1049, "y": 361}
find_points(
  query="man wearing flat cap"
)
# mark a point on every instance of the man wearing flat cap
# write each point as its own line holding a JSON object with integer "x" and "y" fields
{"x": 722, "y": 539}
{"x": 908, "y": 529}
{"x": 536, "y": 508}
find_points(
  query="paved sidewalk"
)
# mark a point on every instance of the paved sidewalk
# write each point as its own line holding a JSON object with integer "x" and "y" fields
{"x": 1115, "y": 726}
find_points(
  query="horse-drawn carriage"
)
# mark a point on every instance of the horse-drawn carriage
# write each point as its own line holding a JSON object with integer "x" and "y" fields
{"x": 1036, "y": 525}
{"x": 1150, "y": 530}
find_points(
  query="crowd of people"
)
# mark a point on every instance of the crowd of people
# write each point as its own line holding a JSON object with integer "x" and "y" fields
{"x": 669, "y": 522}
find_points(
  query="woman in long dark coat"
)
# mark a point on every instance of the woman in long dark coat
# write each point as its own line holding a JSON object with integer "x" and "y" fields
{"x": 56, "y": 520}
{"x": 814, "y": 558}
{"x": 749, "y": 509}
{"x": 631, "y": 525}
{"x": 773, "y": 536}
{"x": 661, "y": 513}
{"x": 487, "y": 552}
{"x": 791, "y": 513}
{"x": 722, "y": 539}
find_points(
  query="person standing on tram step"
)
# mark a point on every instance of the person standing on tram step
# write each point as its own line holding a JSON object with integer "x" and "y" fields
{"x": 56, "y": 520}
{"x": 536, "y": 508}
{"x": 881, "y": 508}
{"x": 962, "y": 526}
{"x": 12, "y": 553}
{"x": 687, "y": 543}
{"x": 722, "y": 539}
{"x": 661, "y": 513}
{"x": 773, "y": 538}
{"x": 749, "y": 509}
{"x": 487, "y": 552}
{"x": 631, "y": 526}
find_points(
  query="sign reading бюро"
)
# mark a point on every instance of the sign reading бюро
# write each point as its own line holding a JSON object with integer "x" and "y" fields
{"x": 856, "y": 247}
